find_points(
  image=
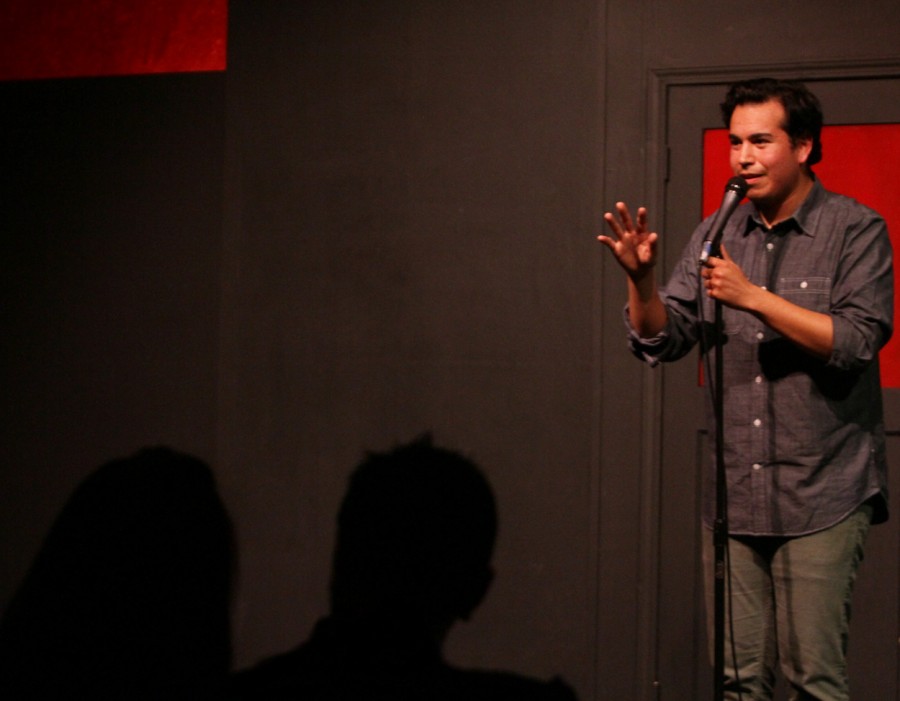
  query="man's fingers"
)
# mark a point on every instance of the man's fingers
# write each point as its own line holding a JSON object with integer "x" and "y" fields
{"x": 725, "y": 255}
{"x": 613, "y": 224}
{"x": 642, "y": 219}
{"x": 625, "y": 215}
{"x": 625, "y": 224}
{"x": 607, "y": 241}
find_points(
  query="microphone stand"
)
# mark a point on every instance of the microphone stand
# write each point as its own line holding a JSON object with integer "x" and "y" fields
{"x": 720, "y": 527}
{"x": 735, "y": 191}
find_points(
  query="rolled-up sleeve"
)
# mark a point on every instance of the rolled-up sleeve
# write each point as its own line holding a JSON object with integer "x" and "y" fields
{"x": 647, "y": 349}
{"x": 862, "y": 301}
{"x": 679, "y": 296}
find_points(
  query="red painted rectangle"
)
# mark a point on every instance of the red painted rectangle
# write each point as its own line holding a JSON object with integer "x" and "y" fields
{"x": 846, "y": 167}
{"x": 82, "y": 38}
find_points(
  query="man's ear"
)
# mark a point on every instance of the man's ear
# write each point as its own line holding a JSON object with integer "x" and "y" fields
{"x": 802, "y": 149}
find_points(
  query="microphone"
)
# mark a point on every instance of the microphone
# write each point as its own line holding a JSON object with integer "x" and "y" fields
{"x": 735, "y": 190}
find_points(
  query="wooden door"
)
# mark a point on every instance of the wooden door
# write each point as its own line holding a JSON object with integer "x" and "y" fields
{"x": 690, "y": 105}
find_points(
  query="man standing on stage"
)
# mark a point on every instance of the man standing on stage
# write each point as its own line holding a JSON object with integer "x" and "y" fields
{"x": 805, "y": 280}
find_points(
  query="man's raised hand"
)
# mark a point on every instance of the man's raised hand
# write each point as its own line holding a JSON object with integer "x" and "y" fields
{"x": 632, "y": 245}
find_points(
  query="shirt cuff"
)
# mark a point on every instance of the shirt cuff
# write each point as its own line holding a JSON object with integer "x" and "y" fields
{"x": 851, "y": 351}
{"x": 646, "y": 349}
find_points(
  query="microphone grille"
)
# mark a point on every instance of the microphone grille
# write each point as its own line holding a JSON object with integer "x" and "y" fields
{"x": 737, "y": 184}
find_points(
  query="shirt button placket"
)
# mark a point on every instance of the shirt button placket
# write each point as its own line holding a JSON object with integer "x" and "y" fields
{"x": 758, "y": 403}
{"x": 759, "y": 393}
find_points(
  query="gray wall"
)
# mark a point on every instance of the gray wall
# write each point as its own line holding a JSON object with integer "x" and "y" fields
{"x": 110, "y": 245}
{"x": 379, "y": 221}
{"x": 409, "y": 247}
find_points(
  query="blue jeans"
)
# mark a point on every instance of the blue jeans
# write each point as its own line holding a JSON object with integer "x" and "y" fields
{"x": 791, "y": 603}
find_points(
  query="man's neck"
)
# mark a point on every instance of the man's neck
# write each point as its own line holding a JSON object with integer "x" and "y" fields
{"x": 776, "y": 213}
{"x": 391, "y": 631}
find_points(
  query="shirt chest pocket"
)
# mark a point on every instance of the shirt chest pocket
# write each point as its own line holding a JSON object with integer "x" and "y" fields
{"x": 812, "y": 293}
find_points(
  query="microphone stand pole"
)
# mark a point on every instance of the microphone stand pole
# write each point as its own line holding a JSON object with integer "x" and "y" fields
{"x": 720, "y": 528}
{"x": 735, "y": 191}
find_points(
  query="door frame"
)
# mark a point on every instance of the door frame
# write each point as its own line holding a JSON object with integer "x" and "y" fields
{"x": 660, "y": 87}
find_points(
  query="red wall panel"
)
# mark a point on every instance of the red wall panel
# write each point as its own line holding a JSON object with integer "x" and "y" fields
{"x": 80, "y": 38}
{"x": 849, "y": 152}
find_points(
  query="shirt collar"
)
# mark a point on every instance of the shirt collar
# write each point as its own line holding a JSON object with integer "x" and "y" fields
{"x": 801, "y": 220}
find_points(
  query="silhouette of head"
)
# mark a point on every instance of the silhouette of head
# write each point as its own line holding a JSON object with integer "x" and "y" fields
{"x": 416, "y": 533}
{"x": 129, "y": 594}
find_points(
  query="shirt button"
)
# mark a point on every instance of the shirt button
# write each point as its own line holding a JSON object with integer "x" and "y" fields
{"x": 770, "y": 246}
{"x": 804, "y": 284}
{"x": 759, "y": 335}
{"x": 763, "y": 287}
{"x": 757, "y": 466}
{"x": 758, "y": 379}
{"x": 757, "y": 423}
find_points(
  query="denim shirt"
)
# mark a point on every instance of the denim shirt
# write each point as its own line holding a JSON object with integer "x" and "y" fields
{"x": 804, "y": 438}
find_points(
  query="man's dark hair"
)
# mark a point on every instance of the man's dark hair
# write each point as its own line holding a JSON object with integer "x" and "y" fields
{"x": 803, "y": 110}
{"x": 416, "y": 531}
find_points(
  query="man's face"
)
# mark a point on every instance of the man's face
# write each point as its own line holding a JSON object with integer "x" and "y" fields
{"x": 762, "y": 153}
